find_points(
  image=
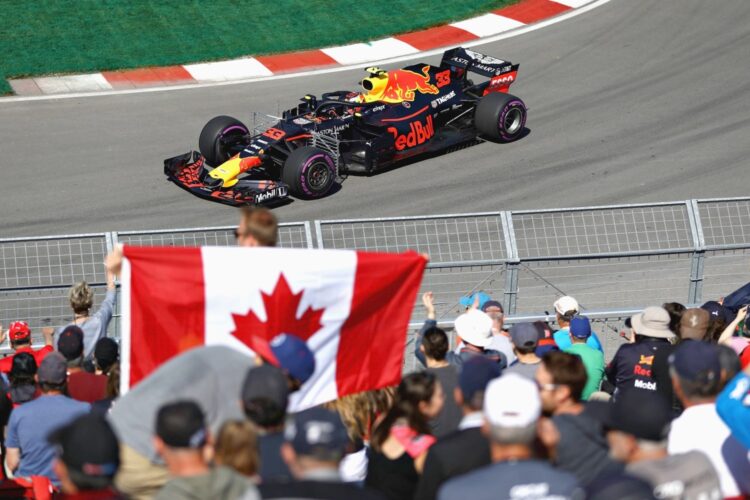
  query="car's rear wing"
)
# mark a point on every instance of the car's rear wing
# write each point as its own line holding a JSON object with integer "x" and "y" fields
{"x": 476, "y": 63}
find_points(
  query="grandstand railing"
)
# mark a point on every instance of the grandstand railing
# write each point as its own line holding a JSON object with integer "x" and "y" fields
{"x": 616, "y": 258}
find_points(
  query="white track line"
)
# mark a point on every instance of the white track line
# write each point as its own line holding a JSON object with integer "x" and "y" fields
{"x": 475, "y": 43}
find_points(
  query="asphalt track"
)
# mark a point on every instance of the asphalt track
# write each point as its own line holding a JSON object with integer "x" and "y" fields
{"x": 634, "y": 101}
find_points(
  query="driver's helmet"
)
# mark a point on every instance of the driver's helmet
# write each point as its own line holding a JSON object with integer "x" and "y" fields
{"x": 373, "y": 85}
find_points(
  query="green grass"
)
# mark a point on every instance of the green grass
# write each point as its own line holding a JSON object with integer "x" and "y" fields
{"x": 62, "y": 36}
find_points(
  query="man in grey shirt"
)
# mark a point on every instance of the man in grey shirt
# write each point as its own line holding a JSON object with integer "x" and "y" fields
{"x": 525, "y": 337}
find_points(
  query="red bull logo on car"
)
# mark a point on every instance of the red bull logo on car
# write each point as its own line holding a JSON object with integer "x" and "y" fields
{"x": 418, "y": 134}
{"x": 398, "y": 85}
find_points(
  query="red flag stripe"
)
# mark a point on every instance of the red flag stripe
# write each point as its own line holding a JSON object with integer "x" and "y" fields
{"x": 161, "y": 329}
{"x": 373, "y": 338}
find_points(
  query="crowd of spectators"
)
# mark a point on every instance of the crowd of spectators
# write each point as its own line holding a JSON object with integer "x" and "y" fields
{"x": 526, "y": 412}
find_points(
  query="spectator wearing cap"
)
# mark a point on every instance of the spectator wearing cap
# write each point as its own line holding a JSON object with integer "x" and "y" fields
{"x": 400, "y": 441}
{"x": 733, "y": 406}
{"x": 265, "y": 395}
{"x": 183, "y": 440}
{"x": 633, "y": 364}
{"x": 88, "y": 457}
{"x": 637, "y": 425}
{"x": 566, "y": 308}
{"x": 694, "y": 324}
{"x": 468, "y": 448}
{"x": 294, "y": 357}
{"x": 94, "y": 326}
{"x": 511, "y": 410}
{"x": 211, "y": 376}
{"x": 82, "y": 385}
{"x": 581, "y": 448}
{"x": 500, "y": 336}
{"x": 107, "y": 363}
{"x": 525, "y": 337}
{"x": 28, "y": 453}
{"x": 106, "y": 355}
{"x": 692, "y": 327}
{"x": 696, "y": 375}
{"x": 20, "y": 341}
{"x": 435, "y": 347}
{"x": 593, "y": 359}
{"x": 315, "y": 442}
{"x": 474, "y": 330}
{"x": 720, "y": 317}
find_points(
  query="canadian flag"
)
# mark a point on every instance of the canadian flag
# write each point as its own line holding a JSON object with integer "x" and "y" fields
{"x": 352, "y": 308}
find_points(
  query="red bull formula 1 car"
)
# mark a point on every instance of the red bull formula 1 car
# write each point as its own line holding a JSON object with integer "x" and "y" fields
{"x": 401, "y": 113}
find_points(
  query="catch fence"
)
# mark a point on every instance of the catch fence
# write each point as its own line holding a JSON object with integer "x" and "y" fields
{"x": 613, "y": 259}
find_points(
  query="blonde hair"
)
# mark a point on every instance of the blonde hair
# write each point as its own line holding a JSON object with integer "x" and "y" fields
{"x": 237, "y": 447}
{"x": 360, "y": 411}
{"x": 81, "y": 297}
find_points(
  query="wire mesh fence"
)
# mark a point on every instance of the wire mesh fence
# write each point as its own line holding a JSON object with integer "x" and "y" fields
{"x": 449, "y": 238}
{"x": 615, "y": 258}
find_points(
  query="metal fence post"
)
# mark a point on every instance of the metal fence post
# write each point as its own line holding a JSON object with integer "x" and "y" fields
{"x": 511, "y": 264}
{"x": 695, "y": 293}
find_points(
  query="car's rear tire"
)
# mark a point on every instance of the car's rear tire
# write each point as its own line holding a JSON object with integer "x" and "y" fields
{"x": 500, "y": 116}
{"x": 309, "y": 172}
{"x": 218, "y": 136}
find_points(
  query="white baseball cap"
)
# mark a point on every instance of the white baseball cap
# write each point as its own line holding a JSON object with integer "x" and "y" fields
{"x": 512, "y": 401}
{"x": 474, "y": 327}
{"x": 565, "y": 304}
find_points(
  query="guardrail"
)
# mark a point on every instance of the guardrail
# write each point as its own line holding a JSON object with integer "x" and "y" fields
{"x": 611, "y": 258}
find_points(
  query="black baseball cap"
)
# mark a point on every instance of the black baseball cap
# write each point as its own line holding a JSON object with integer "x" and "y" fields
{"x": 88, "y": 445}
{"x": 182, "y": 425}
{"x": 70, "y": 343}
{"x": 106, "y": 352}
{"x": 639, "y": 412}
{"x": 317, "y": 432}
{"x": 265, "y": 382}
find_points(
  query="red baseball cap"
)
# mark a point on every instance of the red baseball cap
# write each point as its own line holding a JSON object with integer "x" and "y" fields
{"x": 19, "y": 330}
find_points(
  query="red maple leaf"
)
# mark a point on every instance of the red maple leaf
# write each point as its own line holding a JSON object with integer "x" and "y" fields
{"x": 281, "y": 313}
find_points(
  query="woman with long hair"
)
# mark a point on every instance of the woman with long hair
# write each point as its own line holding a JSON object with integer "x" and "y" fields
{"x": 401, "y": 439}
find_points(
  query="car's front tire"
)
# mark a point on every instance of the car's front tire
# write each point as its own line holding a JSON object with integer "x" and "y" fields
{"x": 219, "y": 138}
{"x": 500, "y": 116}
{"x": 309, "y": 172}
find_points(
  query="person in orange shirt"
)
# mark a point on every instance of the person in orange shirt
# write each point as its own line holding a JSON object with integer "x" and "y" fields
{"x": 20, "y": 341}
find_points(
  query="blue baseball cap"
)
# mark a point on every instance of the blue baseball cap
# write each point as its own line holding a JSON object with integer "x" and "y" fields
{"x": 468, "y": 300}
{"x": 696, "y": 361}
{"x": 294, "y": 356}
{"x": 476, "y": 373}
{"x": 580, "y": 327}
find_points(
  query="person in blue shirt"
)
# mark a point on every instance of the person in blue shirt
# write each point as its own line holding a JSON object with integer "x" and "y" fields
{"x": 29, "y": 453}
{"x": 733, "y": 406}
{"x": 566, "y": 308}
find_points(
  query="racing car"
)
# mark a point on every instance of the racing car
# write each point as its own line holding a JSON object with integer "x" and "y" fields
{"x": 398, "y": 114}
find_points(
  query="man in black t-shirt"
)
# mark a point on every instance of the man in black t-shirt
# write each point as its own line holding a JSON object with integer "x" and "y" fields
{"x": 633, "y": 364}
